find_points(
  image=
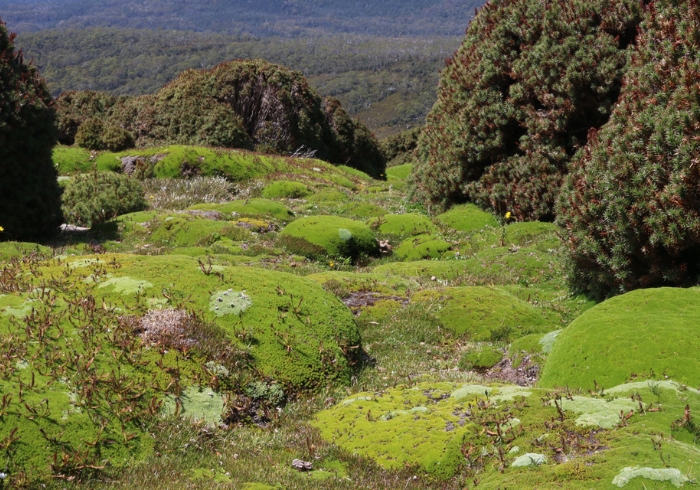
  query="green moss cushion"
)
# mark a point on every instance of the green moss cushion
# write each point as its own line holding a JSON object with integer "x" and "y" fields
{"x": 485, "y": 313}
{"x": 328, "y": 196}
{"x": 651, "y": 332}
{"x": 467, "y": 217}
{"x": 403, "y": 225}
{"x": 362, "y": 210}
{"x": 400, "y": 172}
{"x": 286, "y": 189}
{"x": 337, "y": 237}
{"x": 422, "y": 247}
{"x": 249, "y": 207}
{"x": 9, "y": 250}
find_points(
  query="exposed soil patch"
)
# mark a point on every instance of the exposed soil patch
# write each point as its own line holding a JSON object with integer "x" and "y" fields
{"x": 526, "y": 374}
{"x": 357, "y": 301}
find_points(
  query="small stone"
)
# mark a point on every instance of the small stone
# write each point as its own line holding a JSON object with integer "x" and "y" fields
{"x": 219, "y": 300}
{"x": 433, "y": 278}
{"x": 302, "y": 465}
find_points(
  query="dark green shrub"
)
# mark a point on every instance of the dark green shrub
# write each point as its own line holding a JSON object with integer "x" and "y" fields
{"x": 400, "y": 148}
{"x": 517, "y": 99}
{"x": 73, "y": 108}
{"x": 89, "y": 135}
{"x": 631, "y": 206}
{"x": 93, "y": 134}
{"x": 92, "y": 199}
{"x": 115, "y": 138}
{"x": 30, "y": 198}
{"x": 354, "y": 144}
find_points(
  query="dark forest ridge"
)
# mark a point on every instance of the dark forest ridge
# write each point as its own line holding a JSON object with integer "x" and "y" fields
{"x": 259, "y": 18}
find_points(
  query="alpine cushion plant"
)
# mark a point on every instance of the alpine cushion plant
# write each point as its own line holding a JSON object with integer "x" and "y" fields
{"x": 516, "y": 101}
{"x": 631, "y": 205}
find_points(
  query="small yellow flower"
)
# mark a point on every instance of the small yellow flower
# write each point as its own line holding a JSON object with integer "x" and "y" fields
{"x": 2, "y": 229}
{"x": 332, "y": 264}
{"x": 508, "y": 215}
{"x": 151, "y": 197}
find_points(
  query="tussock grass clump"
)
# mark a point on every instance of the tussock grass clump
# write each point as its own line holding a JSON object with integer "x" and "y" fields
{"x": 183, "y": 193}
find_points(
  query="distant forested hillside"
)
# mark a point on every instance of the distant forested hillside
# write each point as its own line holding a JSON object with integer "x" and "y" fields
{"x": 259, "y": 17}
{"x": 388, "y": 83}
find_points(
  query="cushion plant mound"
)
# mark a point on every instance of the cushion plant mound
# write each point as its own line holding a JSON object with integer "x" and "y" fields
{"x": 467, "y": 217}
{"x": 529, "y": 233}
{"x": 331, "y": 196}
{"x": 362, "y": 210}
{"x": 499, "y": 266}
{"x": 400, "y": 172}
{"x": 183, "y": 230}
{"x": 422, "y": 247}
{"x": 71, "y": 159}
{"x": 433, "y": 425}
{"x": 645, "y": 333}
{"x": 337, "y": 237}
{"x": 484, "y": 313}
{"x": 9, "y": 250}
{"x": 286, "y": 189}
{"x": 402, "y": 225}
{"x": 249, "y": 208}
{"x": 342, "y": 283}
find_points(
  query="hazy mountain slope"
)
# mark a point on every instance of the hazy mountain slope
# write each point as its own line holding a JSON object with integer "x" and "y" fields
{"x": 260, "y": 18}
{"x": 388, "y": 83}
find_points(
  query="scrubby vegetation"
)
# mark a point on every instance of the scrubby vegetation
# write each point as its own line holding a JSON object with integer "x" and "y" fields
{"x": 239, "y": 104}
{"x": 268, "y": 321}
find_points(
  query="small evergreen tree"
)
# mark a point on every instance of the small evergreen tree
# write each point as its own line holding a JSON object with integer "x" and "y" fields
{"x": 30, "y": 198}
{"x": 516, "y": 101}
{"x": 631, "y": 205}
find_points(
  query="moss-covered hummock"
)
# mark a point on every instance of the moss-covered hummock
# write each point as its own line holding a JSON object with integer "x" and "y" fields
{"x": 402, "y": 225}
{"x": 642, "y": 334}
{"x": 286, "y": 189}
{"x": 467, "y": 217}
{"x": 249, "y": 208}
{"x": 337, "y": 237}
{"x": 399, "y": 172}
{"x": 484, "y": 313}
{"x": 422, "y": 247}
{"x": 9, "y": 250}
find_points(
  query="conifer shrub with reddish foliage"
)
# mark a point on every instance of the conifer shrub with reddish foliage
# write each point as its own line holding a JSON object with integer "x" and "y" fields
{"x": 30, "y": 198}
{"x": 75, "y": 107}
{"x": 517, "y": 99}
{"x": 631, "y": 204}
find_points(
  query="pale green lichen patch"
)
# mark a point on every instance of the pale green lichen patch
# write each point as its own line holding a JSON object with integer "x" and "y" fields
{"x": 126, "y": 285}
{"x": 529, "y": 459}
{"x": 665, "y": 384}
{"x": 671, "y": 475}
{"x": 598, "y": 412}
{"x": 229, "y": 302}
{"x": 501, "y": 393}
{"x": 198, "y": 404}
{"x": 82, "y": 263}
{"x": 547, "y": 341}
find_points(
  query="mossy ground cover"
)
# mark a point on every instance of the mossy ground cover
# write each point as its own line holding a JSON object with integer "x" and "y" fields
{"x": 422, "y": 320}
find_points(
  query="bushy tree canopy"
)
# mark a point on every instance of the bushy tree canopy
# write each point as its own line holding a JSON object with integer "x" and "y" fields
{"x": 631, "y": 204}
{"x": 516, "y": 101}
{"x": 30, "y": 199}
